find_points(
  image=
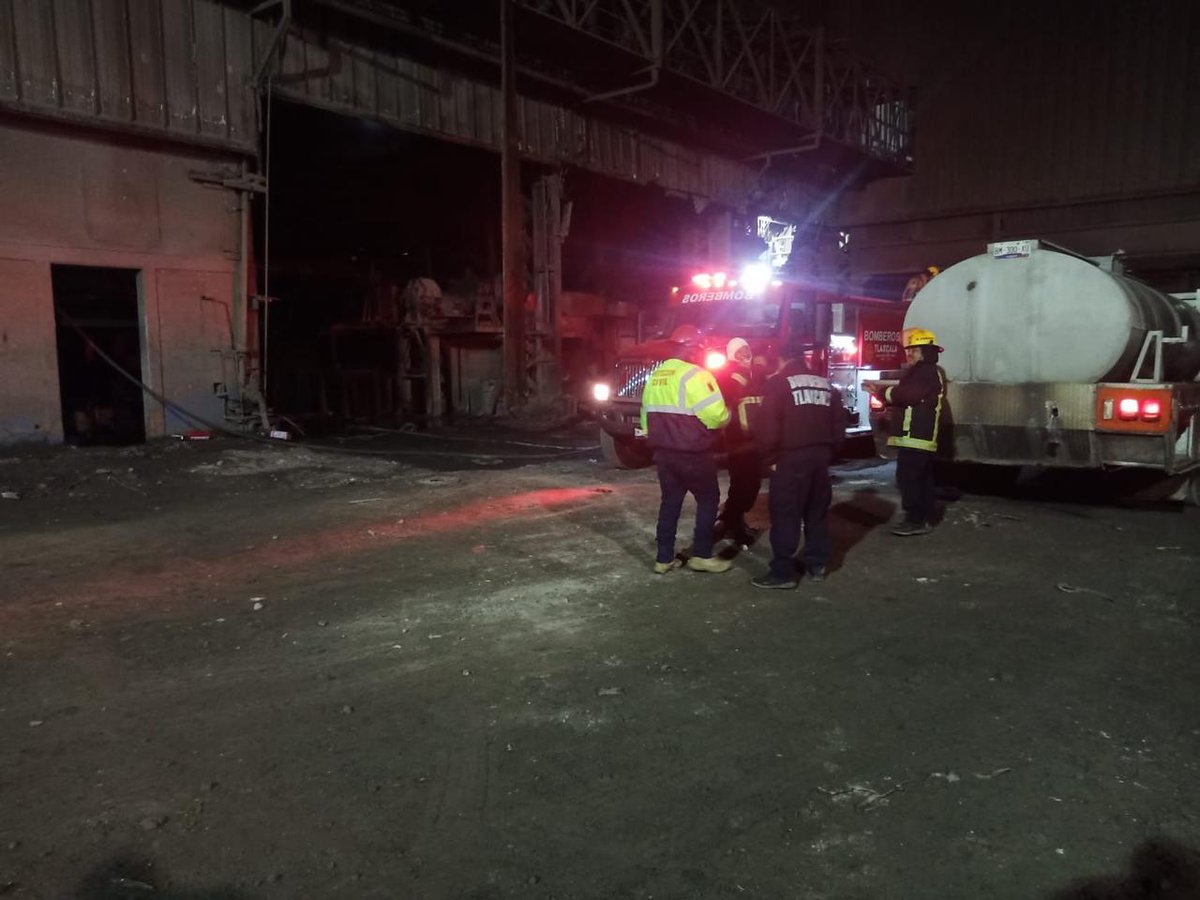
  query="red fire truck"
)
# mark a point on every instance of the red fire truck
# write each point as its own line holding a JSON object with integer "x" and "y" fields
{"x": 851, "y": 339}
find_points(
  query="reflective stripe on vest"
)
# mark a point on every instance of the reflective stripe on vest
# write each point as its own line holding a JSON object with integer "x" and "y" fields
{"x": 691, "y": 373}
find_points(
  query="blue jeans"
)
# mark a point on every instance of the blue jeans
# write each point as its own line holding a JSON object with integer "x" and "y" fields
{"x": 681, "y": 473}
{"x": 799, "y": 502}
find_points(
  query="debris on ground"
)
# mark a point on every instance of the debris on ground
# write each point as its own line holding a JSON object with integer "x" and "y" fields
{"x": 863, "y": 795}
{"x": 1075, "y": 589}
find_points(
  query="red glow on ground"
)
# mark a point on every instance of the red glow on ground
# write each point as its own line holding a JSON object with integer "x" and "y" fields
{"x": 126, "y": 587}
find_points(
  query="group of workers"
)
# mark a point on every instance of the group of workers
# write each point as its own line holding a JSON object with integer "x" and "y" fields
{"x": 789, "y": 422}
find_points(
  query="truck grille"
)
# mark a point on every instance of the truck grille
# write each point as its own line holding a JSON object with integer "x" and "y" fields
{"x": 631, "y": 377}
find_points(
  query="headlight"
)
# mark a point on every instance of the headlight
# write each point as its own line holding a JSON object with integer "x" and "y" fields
{"x": 601, "y": 392}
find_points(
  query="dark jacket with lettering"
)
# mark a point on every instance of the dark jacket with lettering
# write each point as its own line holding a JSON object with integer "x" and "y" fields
{"x": 800, "y": 409}
{"x": 920, "y": 399}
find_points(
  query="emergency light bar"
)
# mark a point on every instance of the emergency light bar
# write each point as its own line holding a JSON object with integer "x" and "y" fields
{"x": 754, "y": 280}
{"x": 709, "y": 280}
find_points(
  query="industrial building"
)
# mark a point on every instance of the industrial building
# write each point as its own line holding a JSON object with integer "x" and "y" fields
{"x": 308, "y": 207}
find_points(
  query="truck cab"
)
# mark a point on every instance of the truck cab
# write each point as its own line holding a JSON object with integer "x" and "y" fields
{"x": 767, "y": 312}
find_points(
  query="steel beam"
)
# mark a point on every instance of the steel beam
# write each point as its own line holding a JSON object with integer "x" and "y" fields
{"x": 753, "y": 52}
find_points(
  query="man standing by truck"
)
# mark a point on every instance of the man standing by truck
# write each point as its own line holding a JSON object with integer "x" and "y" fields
{"x": 682, "y": 408}
{"x": 802, "y": 420}
{"x": 918, "y": 402}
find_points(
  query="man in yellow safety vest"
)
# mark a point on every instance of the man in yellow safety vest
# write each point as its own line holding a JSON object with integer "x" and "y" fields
{"x": 682, "y": 408}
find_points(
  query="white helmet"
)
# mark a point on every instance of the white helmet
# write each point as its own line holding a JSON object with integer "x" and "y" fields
{"x": 735, "y": 346}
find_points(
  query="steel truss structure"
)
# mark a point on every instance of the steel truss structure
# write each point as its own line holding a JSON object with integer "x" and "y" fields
{"x": 751, "y": 51}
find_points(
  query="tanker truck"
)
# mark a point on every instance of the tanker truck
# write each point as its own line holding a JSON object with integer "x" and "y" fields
{"x": 1054, "y": 359}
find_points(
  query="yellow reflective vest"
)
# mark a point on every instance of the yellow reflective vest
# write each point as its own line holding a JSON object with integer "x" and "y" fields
{"x": 681, "y": 407}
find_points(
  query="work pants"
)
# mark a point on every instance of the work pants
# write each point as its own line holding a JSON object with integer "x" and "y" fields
{"x": 681, "y": 473}
{"x": 745, "y": 482}
{"x": 799, "y": 503}
{"x": 914, "y": 477}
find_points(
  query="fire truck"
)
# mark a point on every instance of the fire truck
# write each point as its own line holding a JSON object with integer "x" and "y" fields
{"x": 850, "y": 339}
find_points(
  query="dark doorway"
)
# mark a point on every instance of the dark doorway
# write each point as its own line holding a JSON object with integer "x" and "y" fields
{"x": 97, "y": 314}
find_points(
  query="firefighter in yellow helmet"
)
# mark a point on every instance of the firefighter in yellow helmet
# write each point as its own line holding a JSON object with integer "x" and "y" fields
{"x": 918, "y": 403}
{"x": 682, "y": 409}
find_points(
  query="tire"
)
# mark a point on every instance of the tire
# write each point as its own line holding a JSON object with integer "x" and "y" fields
{"x": 623, "y": 452}
{"x": 1192, "y": 493}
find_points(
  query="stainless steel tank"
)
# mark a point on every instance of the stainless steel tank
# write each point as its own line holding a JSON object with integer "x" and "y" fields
{"x": 1047, "y": 316}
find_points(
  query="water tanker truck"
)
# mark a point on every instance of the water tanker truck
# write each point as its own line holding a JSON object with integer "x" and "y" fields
{"x": 1058, "y": 360}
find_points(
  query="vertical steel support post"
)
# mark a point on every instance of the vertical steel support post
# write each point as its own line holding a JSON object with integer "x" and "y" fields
{"x": 511, "y": 224}
{"x": 545, "y": 348}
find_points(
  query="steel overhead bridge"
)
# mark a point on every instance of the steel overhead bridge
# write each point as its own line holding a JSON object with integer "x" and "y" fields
{"x": 723, "y": 100}
{"x": 763, "y": 74}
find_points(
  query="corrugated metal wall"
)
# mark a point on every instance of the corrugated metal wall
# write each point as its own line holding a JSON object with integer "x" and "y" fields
{"x": 175, "y": 67}
{"x": 183, "y": 68}
{"x": 425, "y": 99}
{"x": 1056, "y": 104}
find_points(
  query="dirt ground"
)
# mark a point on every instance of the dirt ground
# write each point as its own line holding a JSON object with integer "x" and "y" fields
{"x": 231, "y": 670}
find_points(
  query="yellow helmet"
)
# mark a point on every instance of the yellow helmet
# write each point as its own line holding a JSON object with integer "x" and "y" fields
{"x": 920, "y": 337}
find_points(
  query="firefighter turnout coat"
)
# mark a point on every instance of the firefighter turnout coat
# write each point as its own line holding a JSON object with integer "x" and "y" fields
{"x": 682, "y": 407}
{"x": 921, "y": 393}
{"x": 740, "y": 391}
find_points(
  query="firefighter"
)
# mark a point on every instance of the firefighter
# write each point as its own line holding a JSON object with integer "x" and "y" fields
{"x": 918, "y": 402}
{"x": 740, "y": 390}
{"x": 802, "y": 421}
{"x": 682, "y": 408}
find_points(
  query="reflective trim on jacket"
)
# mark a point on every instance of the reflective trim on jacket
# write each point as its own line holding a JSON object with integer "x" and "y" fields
{"x": 921, "y": 393}
{"x": 681, "y": 407}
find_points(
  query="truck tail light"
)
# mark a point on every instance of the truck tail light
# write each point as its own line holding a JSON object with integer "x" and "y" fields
{"x": 713, "y": 360}
{"x": 876, "y": 403}
{"x": 1129, "y": 408}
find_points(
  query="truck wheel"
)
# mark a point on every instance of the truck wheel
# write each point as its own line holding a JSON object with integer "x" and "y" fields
{"x": 623, "y": 453}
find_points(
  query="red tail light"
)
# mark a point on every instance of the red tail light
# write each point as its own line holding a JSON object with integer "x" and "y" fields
{"x": 876, "y": 403}
{"x": 1131, "y": 409}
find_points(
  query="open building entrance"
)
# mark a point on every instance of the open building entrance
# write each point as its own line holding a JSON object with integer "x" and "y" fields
{"x": 385, "y": 274}
{"x": 96, "y": 311}
{"x": 383, "y": 260}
